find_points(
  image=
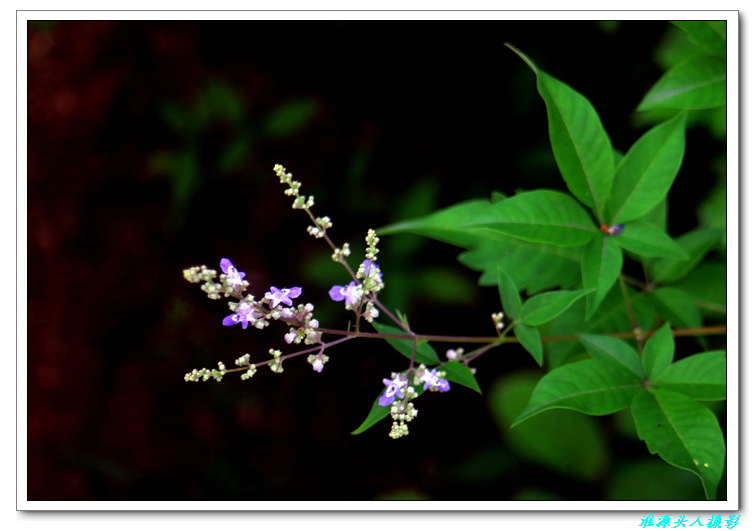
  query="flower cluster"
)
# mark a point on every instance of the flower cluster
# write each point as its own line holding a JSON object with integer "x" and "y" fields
{"x": 403, "y": 411}
{"x": 301, "y": 202}
{"x": 354, "y": 294}
{"x": 498, "y": 320}
{"x": 359, "y": 295}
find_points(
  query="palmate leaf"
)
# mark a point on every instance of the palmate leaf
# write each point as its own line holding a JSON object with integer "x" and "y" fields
{"x": 646, "y": 173}
{"x": 696, "y": 244}
{"x": 601, "y": 265}
{"x": 533, "y": 267}
{"x": 648, "y": 240}
{"x": 698, "y": 83}
{"x": 701, "y": 376}
{"x": 594, "y": 387}
{"x": 710, "y": 34}
{"x": 580, "y": 144}
{"x": 541, "y": 216}
{"x": 682, "y": 432}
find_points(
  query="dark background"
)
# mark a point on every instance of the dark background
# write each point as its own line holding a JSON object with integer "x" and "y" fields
{"x": 151, "y": 147}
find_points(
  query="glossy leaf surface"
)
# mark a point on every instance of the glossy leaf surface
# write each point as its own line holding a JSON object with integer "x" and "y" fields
{"x": 710, "y": 34}
{"x": 683, "y": 433}
{"x": 601, "y": 264}
{"x": 648, "y": 240}
{"x": 541, "y": 216}
{"x": 647, "y": 171}
{"x": 580, "y": 143}
{"x": 658, "y": 352}
{"x": 459, "y": 373}
{"x": 699, "y": 83}
{"x": 701, "y": 376}
{"x": 547, "y": 306}
{"x": 529, "y": 338}
{"x": 613, "y": 349}
{"x": 594, "y": 387}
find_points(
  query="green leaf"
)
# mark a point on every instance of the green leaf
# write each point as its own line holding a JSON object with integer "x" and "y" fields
{"x": 533, "y": 267}
{"x": 601, "y": 265}
{"x": 291, "y": 117}
{"x": 676, "y": 306}
{"x": 547, "y": 306}
{"x": 698, "y": 83}
{"x": 529, "y": 338}
{"x": 702, "y": 376}
{"x": 658, "y": 352}
{"x": 683, "y": 433}
{"x": 646, "y": 173}
{"x": 613, "y": 349}
{"x": 590, "y": 386}
{"x": 565, "y": 441}
{"x": 444, "y": 225}
{"x": 580, "y": 144}
{"x": 710, "y": 34}
{"x": 376, "y": 414}
{"x": 460, "y": 374}
{"x": 496, "y": 197}
{"x": 696, "y": 244}
{"x": 706, "y": 285}
{"x": 424, "y": 354}
{"x": 541, "y": 216}
{"x": 647, "y": 240}
{"x": 509, "y": 293}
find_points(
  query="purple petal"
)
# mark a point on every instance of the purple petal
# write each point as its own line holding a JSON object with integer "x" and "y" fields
{"x": 387, "y": 382}
{"x": 294, "y": 292}
{"x": 386, "y": 401}
{"x": 285, "y": 300}
{"x": 335, "y": 293}
{"x": 228, "y": 321}
{"x": 443, "y": 385}
{"x": 225, "y": 263}
{"x": 274, "y": 290}
{"x": 244, "y": 324}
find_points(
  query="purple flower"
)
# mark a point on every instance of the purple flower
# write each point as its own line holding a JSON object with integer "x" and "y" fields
{"x": 393, "y": 390}
{"x": 277, "y": 296}
{"x": 431, "y": 380}
{"x": 615, "y": 230}
{"x": 245, "y": 314}
{"x": 234, "y": 276}
{"x": 369, "y": 268}
{"x": 350, "y": 293}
